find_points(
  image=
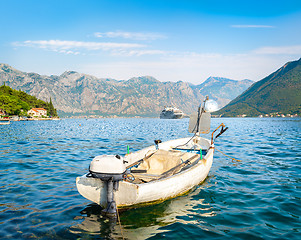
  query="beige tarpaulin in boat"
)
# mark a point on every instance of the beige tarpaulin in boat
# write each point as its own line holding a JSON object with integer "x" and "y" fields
{"x": 162, "y": 161}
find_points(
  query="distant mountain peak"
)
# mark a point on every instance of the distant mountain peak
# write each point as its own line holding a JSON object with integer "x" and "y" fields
{"x": 68, "y": 77}
{"x": 144, "y": 79}
{"x": 4, "y": 65}
{"x": 223, "y": 89}
{"x": 6, "y": 68}
{"x": 71, "y": 72}
{"x": 68, "y": 73}
{"x": 222, "y": 79}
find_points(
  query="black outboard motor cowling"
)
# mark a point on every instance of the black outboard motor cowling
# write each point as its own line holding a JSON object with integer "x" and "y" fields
{"x": 110, "y": 169}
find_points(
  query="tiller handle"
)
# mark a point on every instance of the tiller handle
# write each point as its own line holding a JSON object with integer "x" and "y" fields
{"x": 224, "y": 129}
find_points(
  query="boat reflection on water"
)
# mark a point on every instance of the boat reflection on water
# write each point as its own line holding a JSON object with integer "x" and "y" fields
{"x": 142, "y": 223}
{"x": 94, "y": 223}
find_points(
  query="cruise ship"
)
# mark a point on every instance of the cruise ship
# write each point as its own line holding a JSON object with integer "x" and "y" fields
{"x": 171, "y": 113}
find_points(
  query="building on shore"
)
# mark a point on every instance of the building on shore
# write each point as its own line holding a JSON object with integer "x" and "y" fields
{"x": 37, "y": 112}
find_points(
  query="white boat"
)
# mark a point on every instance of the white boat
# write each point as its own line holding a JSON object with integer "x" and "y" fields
{"x": 153, "y": 174}
{"x": 4, "y": 121}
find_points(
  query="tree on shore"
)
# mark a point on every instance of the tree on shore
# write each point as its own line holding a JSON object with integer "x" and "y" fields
{"x": 17, "y": 102}
{"x": 51, "y": 110}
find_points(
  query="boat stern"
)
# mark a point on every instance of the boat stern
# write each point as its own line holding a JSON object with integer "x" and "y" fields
{"x": 95, "y": 190}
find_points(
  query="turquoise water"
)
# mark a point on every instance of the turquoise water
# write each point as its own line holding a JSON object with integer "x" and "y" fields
{"x": 256, "y": 198}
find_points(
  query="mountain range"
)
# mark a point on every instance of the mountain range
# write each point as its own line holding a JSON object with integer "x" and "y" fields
{"x": 74, "y": 93}
{"x": 222, "y": 90}
{"x": 278, "y": 93}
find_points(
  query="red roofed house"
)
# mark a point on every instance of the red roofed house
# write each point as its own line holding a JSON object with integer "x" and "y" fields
{"x": 37, "y": 112}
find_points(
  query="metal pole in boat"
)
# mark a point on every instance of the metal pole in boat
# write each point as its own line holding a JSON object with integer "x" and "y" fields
{"x": 198, "y": 121}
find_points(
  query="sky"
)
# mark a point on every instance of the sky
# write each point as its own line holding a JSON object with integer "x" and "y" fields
{"x": 169, "y": 40}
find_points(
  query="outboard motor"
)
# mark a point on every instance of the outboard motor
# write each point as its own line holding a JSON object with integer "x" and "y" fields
{"x": 110, "y": 169}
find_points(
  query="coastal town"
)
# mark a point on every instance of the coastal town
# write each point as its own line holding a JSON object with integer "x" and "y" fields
{"x": 32, "y": 114}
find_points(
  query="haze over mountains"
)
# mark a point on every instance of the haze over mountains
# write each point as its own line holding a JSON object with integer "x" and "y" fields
{"x": 278, "y": 93}
{"x": 75, "y": 93}
{"x": 223, "y": 89}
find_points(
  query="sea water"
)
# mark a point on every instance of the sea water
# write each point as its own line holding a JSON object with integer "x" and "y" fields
{"x": 257, "y": 195}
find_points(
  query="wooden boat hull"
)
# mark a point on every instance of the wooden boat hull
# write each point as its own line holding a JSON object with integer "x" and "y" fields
{"x": 131, "y": 194}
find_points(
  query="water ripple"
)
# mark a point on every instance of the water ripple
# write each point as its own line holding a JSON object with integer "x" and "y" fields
{"x": 256, "y": 198}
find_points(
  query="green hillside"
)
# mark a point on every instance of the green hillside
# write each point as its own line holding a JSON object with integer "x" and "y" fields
{"x": 280, "y": 92}
{"x": 17, "y": 102}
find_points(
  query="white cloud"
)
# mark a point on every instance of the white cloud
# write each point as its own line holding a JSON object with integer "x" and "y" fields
{"x": 130, "y": 35}
{"x": 292, "y": 50}
{"x": 58, "y": 44}
{"x": 252, "y": 26}
{"x": 138, "y": 53}
{"x": 77, "y": 47}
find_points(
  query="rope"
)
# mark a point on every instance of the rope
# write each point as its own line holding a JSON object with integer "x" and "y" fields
{"x": 233, "y": 159}
{"x": 119, "y": 223}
